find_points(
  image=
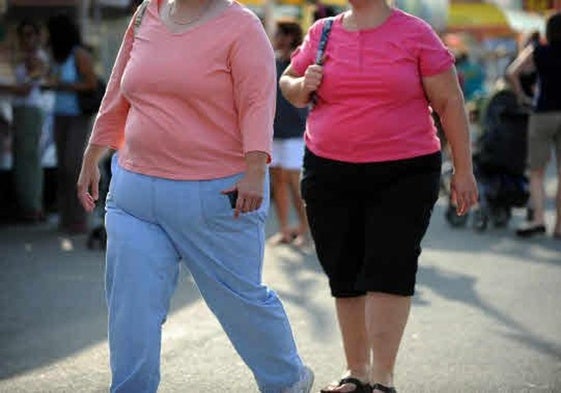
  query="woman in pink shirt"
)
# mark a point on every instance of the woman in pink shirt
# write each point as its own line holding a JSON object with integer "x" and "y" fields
{"x": 189, "y": 108}
{"x": 372, "y": 169}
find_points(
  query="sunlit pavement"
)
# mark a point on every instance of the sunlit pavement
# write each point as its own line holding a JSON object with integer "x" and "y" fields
{"x": 486, "y": 316}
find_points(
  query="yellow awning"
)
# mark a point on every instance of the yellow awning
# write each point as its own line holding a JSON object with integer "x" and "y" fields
{"x": 477, "y": 17}
{"x": 260, "y": 3}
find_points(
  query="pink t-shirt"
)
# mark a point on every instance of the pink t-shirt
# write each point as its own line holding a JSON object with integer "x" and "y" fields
{"x": 371, "y": 104}
{"x": 189, "y": 105}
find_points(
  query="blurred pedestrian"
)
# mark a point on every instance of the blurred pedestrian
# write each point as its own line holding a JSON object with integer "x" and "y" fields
{"x": 471, "y": 75}
{"x": 372, "y": 169}
{"x": 529, "y": 76}
{"x": 189, "y": 108}
{"x": 72, "y": 72}
{"x": 28, "y": 117}
{"x": 322, "y": 10}
{"x": 544, "y": 128}
{"x": 288, "y": 145}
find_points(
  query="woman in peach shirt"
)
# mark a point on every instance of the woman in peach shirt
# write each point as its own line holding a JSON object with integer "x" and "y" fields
{"x": 189, "y": 108}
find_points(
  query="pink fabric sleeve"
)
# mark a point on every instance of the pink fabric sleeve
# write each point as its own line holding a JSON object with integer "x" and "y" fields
{"x": 305, "y": 54}
{"x": 434, "y": 56}
{"x": 252, "y": 63}
{"x": 109, "y": 125}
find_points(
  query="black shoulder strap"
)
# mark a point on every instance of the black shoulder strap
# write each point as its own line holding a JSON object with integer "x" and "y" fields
{"x": 140, "y": 14}
{"x": 321, "y": 51}
{"x": 323, "y": 39}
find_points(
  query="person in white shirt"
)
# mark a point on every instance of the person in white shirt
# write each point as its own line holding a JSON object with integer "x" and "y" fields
{"x": 27, "y": 106}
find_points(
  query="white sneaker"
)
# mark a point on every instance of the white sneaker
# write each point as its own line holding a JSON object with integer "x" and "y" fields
{"x": 304, "y": 384}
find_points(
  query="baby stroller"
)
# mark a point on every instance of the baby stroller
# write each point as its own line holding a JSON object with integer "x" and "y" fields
{"x": 499, "y": 162}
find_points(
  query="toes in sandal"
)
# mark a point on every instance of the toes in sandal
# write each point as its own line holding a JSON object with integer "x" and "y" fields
{"x": 383, "y": 388}
{"x": 360, "y": 387}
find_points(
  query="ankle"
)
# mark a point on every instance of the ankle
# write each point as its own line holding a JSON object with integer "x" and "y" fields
{"x": 383, "y": 378}
{"x": 379, "y": 388}
{"x": 359, "y": 372}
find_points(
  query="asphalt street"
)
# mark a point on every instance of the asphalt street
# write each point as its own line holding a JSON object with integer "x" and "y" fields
{"x": 486, "y": 316}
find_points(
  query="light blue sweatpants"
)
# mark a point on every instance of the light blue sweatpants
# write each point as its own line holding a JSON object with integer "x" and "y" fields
{"x": 152, "y": 224}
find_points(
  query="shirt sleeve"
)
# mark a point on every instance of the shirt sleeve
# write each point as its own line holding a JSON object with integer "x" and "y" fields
{"x": 434, "y": 56}
{"x": 305, "y": 54}
{"x": 252, "y": 63}
{"x": 109, "y": 126}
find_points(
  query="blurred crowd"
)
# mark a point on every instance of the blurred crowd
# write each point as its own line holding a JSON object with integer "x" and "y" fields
{"x": 516, "y": 131}
{"x": 44, "y": 129}
{"x": 47, "y": 90}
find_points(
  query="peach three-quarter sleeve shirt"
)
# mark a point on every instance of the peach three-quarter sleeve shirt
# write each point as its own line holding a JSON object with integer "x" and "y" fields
{"x": 188, "y": 106}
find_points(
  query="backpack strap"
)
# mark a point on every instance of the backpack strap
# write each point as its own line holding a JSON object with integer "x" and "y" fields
{"x": 321, "y": 51}
{"x": 141, "y": 10}
{"x": 323, "y": 39}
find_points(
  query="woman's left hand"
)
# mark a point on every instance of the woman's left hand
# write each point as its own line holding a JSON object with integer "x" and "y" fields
{"x": 463, "y": 191}
{"x": 250, "y": 193}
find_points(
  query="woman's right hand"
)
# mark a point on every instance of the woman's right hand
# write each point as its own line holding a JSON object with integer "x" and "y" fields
{"x": 464, "y": 193}
{"x": 312, "y": 78}
{"x": 88, "y": 184}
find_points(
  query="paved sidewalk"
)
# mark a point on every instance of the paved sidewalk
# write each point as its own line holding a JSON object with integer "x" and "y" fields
{"x": 486, "y": 317}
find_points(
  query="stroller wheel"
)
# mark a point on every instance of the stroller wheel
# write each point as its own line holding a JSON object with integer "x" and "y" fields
{"x": 454, "y": 219}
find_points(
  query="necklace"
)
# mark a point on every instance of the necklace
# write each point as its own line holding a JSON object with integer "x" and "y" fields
{"x": 195, "y": 18}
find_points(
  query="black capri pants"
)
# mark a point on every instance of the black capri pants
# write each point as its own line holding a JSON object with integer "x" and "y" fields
{"x": 367, "y": 220}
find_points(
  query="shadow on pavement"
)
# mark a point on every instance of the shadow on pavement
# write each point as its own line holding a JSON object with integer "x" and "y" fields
{"x": 461, "y": 288}
{"x": 455, "y": 287}
{"x": 443, "y": 236}
{"x": 52, "y": 297}
{"x": 52, "y": 302}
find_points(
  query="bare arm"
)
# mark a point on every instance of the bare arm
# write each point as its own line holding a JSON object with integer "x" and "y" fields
{"x": 445, "y": 96}
{"x": 85, "y": 64}
{"x": 297, "y": 89}
{"x": 256, "y": 163}
{"x": 250, "y": 186}
{"x": 109, "y": 126}
{"x": 88, "y": 180}
{"x": 87, "y": 79}
{"x": 524, "y": 61}
{"x": 18, "y": 90}
{"x": 93, "y": 153}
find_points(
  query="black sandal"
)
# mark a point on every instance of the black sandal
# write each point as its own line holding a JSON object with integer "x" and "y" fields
{"x": 361, "y": 387}
{"x": 383, "y": 388}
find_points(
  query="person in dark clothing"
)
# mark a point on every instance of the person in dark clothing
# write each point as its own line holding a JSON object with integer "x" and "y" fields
{"x": 288, "y": 145}
{"x": 72, "y": 72}
{"x": 544, "y": 128}
{"x": 322, "y": 10}
{"x": 529, "y": 78}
